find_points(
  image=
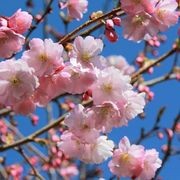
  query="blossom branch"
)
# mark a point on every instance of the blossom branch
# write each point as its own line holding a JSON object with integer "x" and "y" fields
{"x": 153, "y": 129}
{"x": 151, "y": 64}
{"x": 36, "y": 173}
{"x": 87, "y": 23}
{"x": 169, "y": 144}
{"x": 160, "y": 79}
{"x": 46, "y": 12}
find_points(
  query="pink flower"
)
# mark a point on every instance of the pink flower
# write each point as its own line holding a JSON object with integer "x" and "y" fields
{"x": 25, "y": 106}
{"x": 3, "y": 22}
{"x": 49, "y": 88}
{"x": 99, "y": 151}
{"x": 111, "y": 35}
{"x": 17, "y": 81}
{"x": 71, "y": 145}
{"x": 95, "y": 152}
{"x": 165, "y": 13}
{"x": 131, "y": 104}
{"x": 44, "y": 56}
{"x": 15, "y": 170}
{"x": 3, "y": 127}
{"x": 106, "y": 116}
{"x": 127, "y": 160}
{"x": 80, "y": 123}
{"x": 87, "y": 50}
{"x": 20, "y": 21}
{"x": 76, "y": 79}
{"x": 136, "y": 6}
{"x": 69, "y": 171}
{"x": 110, "y": 85}
{"x": 10, "y": 42}
{"x": 120, "y": 63}
{"x": 75, "y": 8}
{"x": 151, "y": 164}
{"x": 139, "y": 26}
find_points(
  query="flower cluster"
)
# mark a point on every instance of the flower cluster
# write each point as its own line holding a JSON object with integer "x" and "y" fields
{"x": 146, "y": 18}
{"x": 11, "y": 30}
{"x": 115, "y": 102}
{"x": 134, "y": 162}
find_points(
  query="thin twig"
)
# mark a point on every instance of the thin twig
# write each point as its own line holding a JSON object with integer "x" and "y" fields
{"x": 152, "y": 64}
{"x": 36, "y": 173}
{"x": 87, "y": 23}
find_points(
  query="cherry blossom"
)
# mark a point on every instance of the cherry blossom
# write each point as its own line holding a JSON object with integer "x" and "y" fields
{"x": 151, "y": 164}
{"x": 17, "y": 81}
{"x": 87, "y": 50}
{"x": 20, "y": 21}
{"x": 127, "y": 160}
{"x": 106, "y": 116}
{"x": 75, "y": 78}
{"x": 10, "y": 42}
{"x": 75, "y": 8}
{"x": 44, "y": 56}
{"x": 120, "y": 63}
{"x": 110, "y": 85}
{"x": 130, "y": 105}
{"x": 134, "y": 161}
{"x": 95, "y": 152}
{"x": 80, "y": 124}
{"x": 136, "y": 6}
{"x": 165, "y": 14}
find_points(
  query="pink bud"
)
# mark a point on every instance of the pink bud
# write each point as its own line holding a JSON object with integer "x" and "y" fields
{"x": 169, "y": 133}
{"x": 150, "y": 70}
{"x": 164, "y": 148}
{"x": 34, "y": 119}
{"x": 151, "y": 42}
{"x": 111, "y": 35}
{"x": 117, "y": 21}
{"x": 157, "y": 43}
{"x": 109, "y": 24}
{"x": 55, "y": 138}
{"x": 160, "y": 135}
{"x": 20, "y": 21}
{"x": 150, "y": 96}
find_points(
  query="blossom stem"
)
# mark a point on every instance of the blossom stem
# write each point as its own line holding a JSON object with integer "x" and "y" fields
{"x": 87, "y": 23}
{"x": 152, "y": 64}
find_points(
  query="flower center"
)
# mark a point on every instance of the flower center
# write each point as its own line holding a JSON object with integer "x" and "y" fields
{"x": 15, "y": 81}
{"x": 107, "y": 87}
{"x": 3, "y": 40}
{"x": 138, "y": 20}
{"x": 43, "y": 57}
{"x": 85, "y": 57}
{"x": 125, "y": 157}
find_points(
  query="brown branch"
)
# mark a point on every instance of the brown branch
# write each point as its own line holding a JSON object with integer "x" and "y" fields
{"x": 87, "y": 23}
{"x": 31, "y": 138}
{"x": 151, "y": 64}
{"x": 155, "y": 127}
{"x": 35, "y": 172}
{"x": 46, "y": 12}
{"x": 4, "y": 112}
{"x": 29, "y": 146}
{"x": 169, "y": 144}
{"x": 160, "y": 79}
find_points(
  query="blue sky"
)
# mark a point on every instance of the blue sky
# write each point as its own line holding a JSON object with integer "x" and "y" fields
{"x": 166, "y": 94}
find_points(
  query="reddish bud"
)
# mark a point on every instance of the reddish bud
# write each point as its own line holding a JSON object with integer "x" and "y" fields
{"x": 109, "y": 24}
{"x": 111, "y": 35}
{"x": 117, "y": 21}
